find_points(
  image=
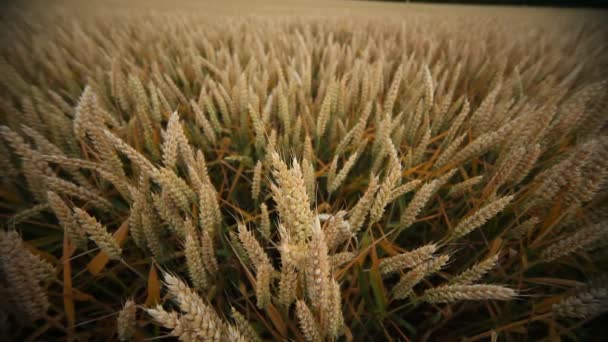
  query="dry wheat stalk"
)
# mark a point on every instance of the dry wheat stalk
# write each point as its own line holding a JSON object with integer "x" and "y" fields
{"x": 26, "y": 214}
{"x": 355, "y": 135}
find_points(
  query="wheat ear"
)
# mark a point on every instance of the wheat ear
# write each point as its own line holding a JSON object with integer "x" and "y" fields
{"x": 194, "y": 259}
{"x": 66, "y": 219}
{"x": 453, "y": 293}
{"x": 476, "y": 271}
{"x": 407, "y": 260}
{"x": 418, "y": 202}
{"x": 405, "y": 285}
{"x": 257, "y": 181}
{"x": 125, "y": 322}
{"x": 588, "y": 302}
{"x": 244, "y": 327}
{"x": 576, "y": 242}
{"x": 98, "y": 233}
{"x": 359, "y": 211}
{"x": 480, "y": 217}
{"x": 317, "y": 269}
{"x": 308, "y": 325}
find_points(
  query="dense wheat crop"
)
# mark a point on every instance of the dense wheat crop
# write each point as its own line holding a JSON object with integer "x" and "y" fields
{"x": 354, "y": 172}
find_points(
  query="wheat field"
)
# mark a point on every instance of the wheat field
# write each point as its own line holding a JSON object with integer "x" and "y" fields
{"x": 302, "y": 171}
